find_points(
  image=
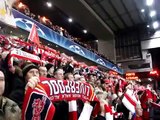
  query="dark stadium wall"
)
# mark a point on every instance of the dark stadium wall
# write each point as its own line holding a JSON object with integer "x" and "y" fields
{"x": 107, "y": 47}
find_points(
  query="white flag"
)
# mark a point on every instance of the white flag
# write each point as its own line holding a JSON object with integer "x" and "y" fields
{"x": 130, "y": 101}
{"x": 6, "y": 15}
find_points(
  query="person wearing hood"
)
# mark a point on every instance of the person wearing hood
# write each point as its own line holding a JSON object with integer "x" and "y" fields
{"x": 9, "y": 110}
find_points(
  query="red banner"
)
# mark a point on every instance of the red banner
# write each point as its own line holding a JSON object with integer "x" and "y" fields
{"x": 38, "y": 101}
{"x": 33, "y": 36}
{"x": 58, "y": 90}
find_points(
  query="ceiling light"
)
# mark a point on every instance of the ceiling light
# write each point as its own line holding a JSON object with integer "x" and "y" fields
{"x": 155, "y": 25}
{"x": 44, "y": 19}
{"x": 142, "y": 10}
{"x": 85, "y": 31}
{"x": 148, "y": 26}
{"x": 49, "y": 4}
{"x": 70, "y": 20}
{"x": 152, "y": 13}
{"x": 149, "y": 2}
{"x": 20, "y": 5}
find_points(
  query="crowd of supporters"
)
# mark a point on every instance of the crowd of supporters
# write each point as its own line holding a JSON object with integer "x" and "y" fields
{"x": 63, "y": 32}
{"x": 116, "y": 98}
{"x": 90, "y": 94}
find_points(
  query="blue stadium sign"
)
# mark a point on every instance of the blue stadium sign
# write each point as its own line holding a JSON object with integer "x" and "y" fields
{"x": 25, "y": 22}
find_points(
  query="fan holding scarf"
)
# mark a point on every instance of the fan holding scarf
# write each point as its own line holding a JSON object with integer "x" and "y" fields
{"x": 38, "y": 101}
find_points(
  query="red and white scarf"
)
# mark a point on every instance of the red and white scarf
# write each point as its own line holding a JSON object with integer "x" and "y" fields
{"x": 50, "y": 90}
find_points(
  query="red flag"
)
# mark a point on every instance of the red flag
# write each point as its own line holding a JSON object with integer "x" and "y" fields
{"x": 33, "y": 36}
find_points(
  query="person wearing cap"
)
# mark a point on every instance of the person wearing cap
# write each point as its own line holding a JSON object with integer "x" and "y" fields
{"x": 9, "y": 110}
{"x": 30, "y": 79}
{"x": 30, "y": 75}
{"x": 50, "y": 70}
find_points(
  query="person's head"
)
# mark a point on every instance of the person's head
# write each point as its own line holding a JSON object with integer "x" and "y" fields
{"x": 59, "y": 74}
{"x": 99, "y": 93}
{"x": 77, "y": 77}
{"x": 105, "y": 84}
{"x": 91, "y": 77}
{"x": 149, "y": 87}
{"x": 43, "y": 71}
{"x": 98, "y": 82}
{"x": 30, "y": 70}
{"x": 69, "y": 76}
{"x": 139, "y": 110}
{"x": 50, "y": 69}
{"x": 82, "y": 78}
{"x": 2, "y": 82}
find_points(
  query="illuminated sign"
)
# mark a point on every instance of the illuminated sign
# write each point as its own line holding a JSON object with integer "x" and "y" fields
{"x": 113, "y": 73}
{"x": 154, "y": 72}
{"x": 131, "y": 76}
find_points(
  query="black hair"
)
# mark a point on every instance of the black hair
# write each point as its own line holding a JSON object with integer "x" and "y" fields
{"x": 55, "y": 70}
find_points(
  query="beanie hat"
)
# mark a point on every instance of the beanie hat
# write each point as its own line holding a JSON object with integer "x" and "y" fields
{"x": 27, "y": 68}
{"x": 48, "y": 66}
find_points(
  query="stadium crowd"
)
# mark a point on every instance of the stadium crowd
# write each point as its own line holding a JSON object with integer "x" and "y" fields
{"x": 63, "y": 32}
{"x": 40, "y": 83}
{"x": 21, "y": 72}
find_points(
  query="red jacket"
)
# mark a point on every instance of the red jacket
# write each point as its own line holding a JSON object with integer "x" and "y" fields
{"x": 144, "y": 99}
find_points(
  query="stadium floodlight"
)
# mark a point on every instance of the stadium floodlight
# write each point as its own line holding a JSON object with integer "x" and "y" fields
{"x": 142, "y": 10}
{"x": 149, "y": 2}
{"x": 70, "y": 20}
{"x": 49, "y": 4}
{"x": 155, "y": 24}
{"x": 85, "y": 31}
{"x": 152, "y": 13}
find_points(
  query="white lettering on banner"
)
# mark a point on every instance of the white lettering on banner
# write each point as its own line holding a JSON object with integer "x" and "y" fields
{"x": 24, "y": 54}
{"x": 68, "y": 90}
{"x": 87, "y": 90}
{"x": 55, "y": 87}
{"x": 73, "y": 90}
{"x": 76, "y": 88}
{"x": 82, "y": 89}
{"x": 61, "y": 86}
{"x": 50, "y": 87}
